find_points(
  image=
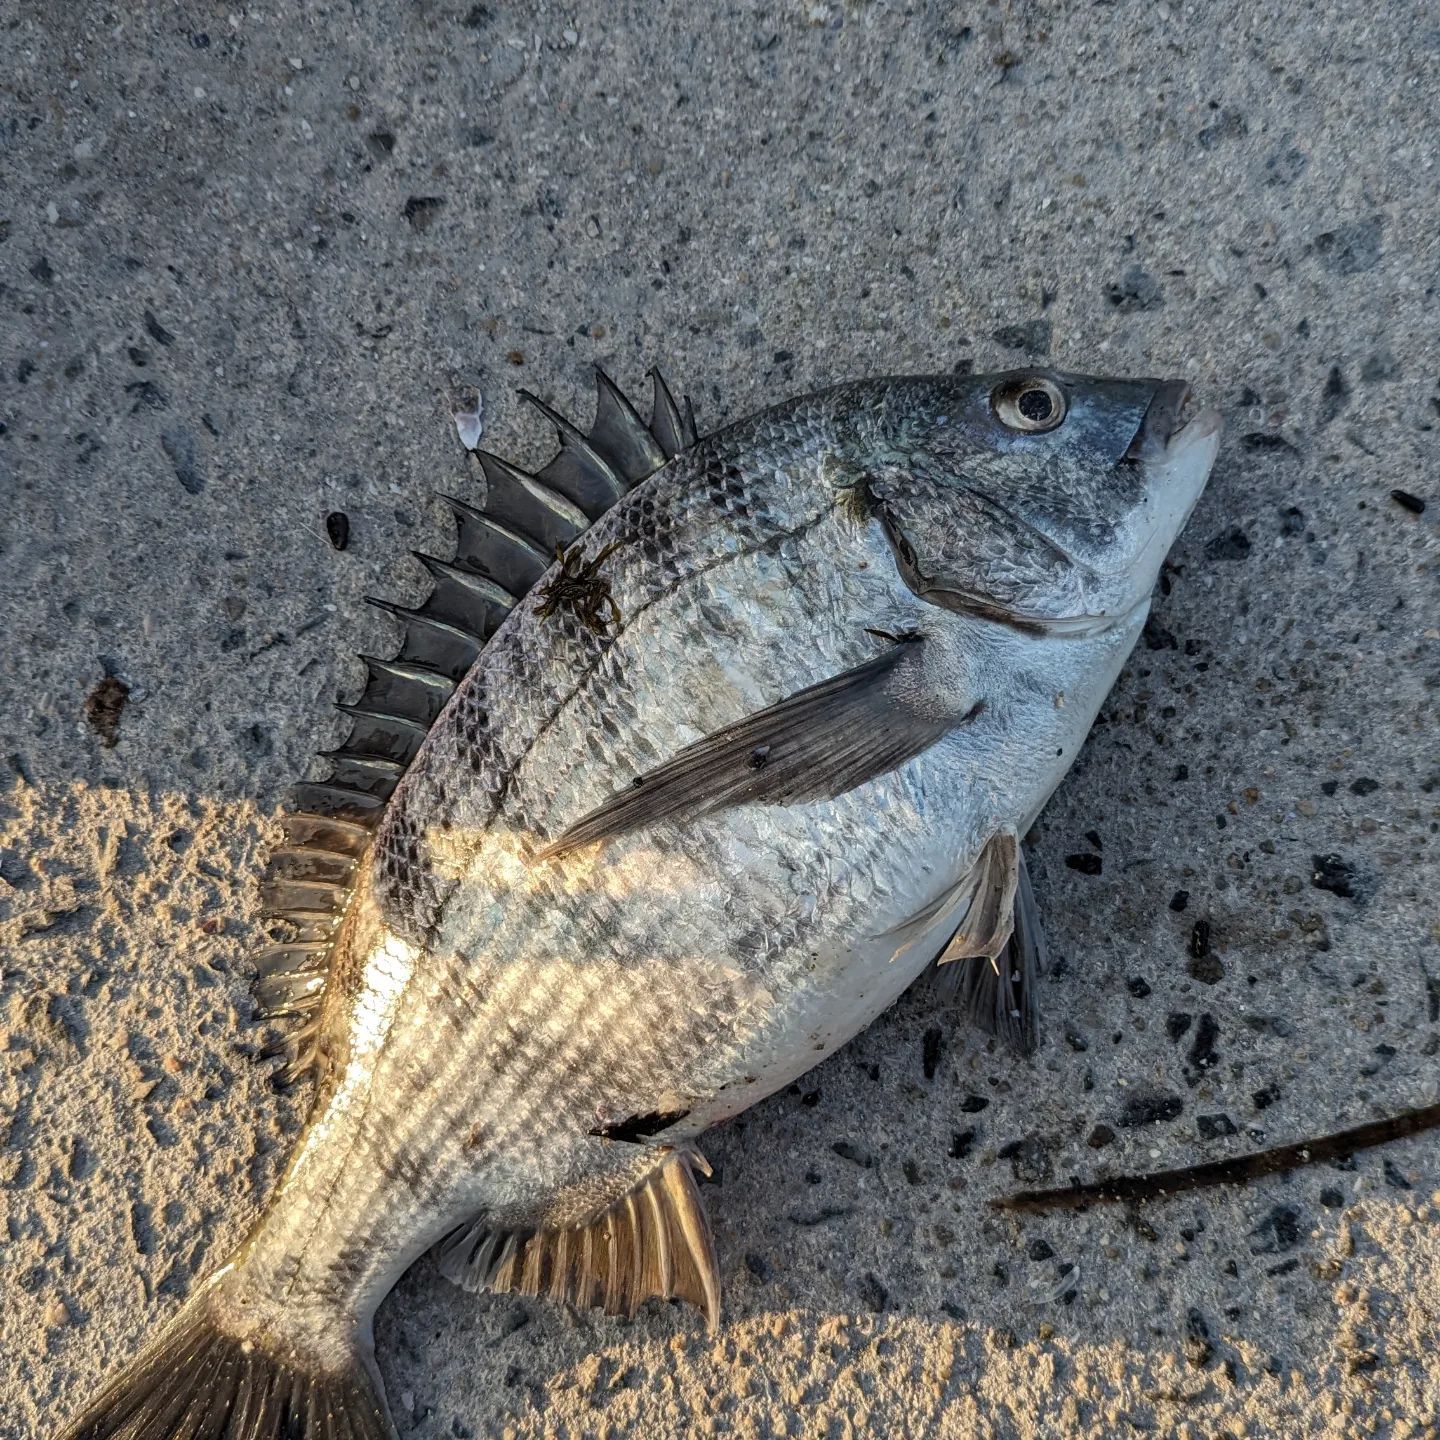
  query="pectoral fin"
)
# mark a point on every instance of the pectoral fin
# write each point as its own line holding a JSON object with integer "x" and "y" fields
{"x": 813, "y": 745}
{"x": 997, "y": 954}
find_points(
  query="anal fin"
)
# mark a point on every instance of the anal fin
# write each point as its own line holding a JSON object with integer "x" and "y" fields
{"x": 653, "y": 1242}
{"x": 994, "y": 959}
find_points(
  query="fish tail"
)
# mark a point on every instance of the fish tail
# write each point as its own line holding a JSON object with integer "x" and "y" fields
{"x": 200, "y": 1380}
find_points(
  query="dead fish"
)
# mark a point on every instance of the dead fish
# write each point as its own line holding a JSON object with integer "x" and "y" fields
{"x": 698, "y": 754}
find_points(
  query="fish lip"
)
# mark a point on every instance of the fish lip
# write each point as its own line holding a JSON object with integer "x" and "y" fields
{"x": 1160, "y": 422}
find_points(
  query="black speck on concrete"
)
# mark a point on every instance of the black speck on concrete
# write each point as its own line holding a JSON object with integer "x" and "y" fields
{"x": 1086, "y": 864}
{"x": 961, "y": 1143}
{"x": 1149, "y": 1107}
{"x": 1267, "y": 442}
{"x": 1179, "y": 900}
{"x": 1335, "y": 396}
{"x": 1214, "y": 1127}
{"x": 1138, "y": 986}
{"x": 1177, "y": 1022}
{"x": 1406, "y": 501}
{"x": 1335, "y": 874}
{"x": 1364, "y": 785}
{"x": 421, "y": 210}
{"x": 337, "y": 529}
{"x": 1100, "y": 1137}
{"x": 1280, "y": 1231}
{"x": 1231, "y": 544}
{"x": 931, "y": 1048}
{"x": 156, "y": 331}
{"x": 974, "y": 1104}
{"x": 1039, "y": 1249}
{"x": 873, "y": 1293}
{"x": 1203, "y": 1054}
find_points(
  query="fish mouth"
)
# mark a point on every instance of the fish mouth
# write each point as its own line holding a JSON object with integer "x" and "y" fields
{"x": 1161, "y": 439}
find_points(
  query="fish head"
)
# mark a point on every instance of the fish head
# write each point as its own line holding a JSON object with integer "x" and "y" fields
{"x": 1035, "y": 497}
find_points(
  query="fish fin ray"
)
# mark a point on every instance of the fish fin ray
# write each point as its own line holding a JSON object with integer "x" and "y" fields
{"x": 995, "y": 958}
{"x": 503, "y": 545}
{"x": 654, "y": 1241}
{"x": 813, "y": 745}
{"x": 196, "y": 1381}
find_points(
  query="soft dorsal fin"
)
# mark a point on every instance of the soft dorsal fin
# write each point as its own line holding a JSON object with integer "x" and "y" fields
{"x": 504, "y": 543}
{"x": 653, "y": 1241}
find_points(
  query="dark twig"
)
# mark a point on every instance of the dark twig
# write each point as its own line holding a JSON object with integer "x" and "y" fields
{"x": 1162, "y": 1183}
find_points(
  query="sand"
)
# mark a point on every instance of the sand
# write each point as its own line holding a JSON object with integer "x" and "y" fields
{"x": 248, "y": 256}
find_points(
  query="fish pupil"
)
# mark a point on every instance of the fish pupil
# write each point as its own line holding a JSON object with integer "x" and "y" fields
{"x": 1035, "y": 405}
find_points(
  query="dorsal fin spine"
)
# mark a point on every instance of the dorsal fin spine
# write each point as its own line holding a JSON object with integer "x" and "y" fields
{"x": 508, "y": 538}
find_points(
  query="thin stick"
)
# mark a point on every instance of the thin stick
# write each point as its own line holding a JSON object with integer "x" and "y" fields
{"x": 1236, "y": 1171}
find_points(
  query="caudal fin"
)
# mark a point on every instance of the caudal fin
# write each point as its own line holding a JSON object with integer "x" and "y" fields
{"x": 197, "y": 1382}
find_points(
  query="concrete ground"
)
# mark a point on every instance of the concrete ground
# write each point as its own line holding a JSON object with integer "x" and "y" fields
{"x": 247, "y": 256}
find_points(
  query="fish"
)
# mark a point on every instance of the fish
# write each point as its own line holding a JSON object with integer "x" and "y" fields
{"x": 699, "y": 753}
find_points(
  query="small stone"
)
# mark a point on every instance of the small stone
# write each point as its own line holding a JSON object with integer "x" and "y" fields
{"x": 1100, "y": 1137}
{"x": 1040, "y": 1250}
{"x": 1406, "y": 501}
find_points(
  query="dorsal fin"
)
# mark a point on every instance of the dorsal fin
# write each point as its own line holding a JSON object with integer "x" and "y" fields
{"x": 503, "y": 545}
{"x": 653, "y": 1241}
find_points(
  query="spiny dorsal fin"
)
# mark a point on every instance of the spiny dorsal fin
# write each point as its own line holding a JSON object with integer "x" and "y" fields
{"x": 653, "y": 1241}
{"x": 503, "y": 546}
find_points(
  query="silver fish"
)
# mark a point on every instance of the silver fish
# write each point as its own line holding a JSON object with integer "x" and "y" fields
{"x": 628, "y": 838}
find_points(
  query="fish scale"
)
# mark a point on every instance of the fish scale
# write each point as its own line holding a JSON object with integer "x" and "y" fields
{"x": 619, "y": 846}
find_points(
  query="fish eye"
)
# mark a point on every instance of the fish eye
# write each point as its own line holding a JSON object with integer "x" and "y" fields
{"x": 1032, "y": 405}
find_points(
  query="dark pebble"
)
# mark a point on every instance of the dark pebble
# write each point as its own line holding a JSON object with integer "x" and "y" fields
{"x": 1179, "y": 900}
{"x": 1040, "y": 1250}
{"x": 1086, "y": 864}
{"x": 1032, "y": 337}
{"x": 1231, "y": 544}
{"x": 1396, "y": 1178}
{"x": 1138, "y": 986}
{"x": 974, "y": 1104}
{"x": 103, "y": 708}
{"x": 1329, "y": 787}
{"x": 1364, "y": 786}
{"x": 180, "y": 449}
{"x": 337, "y": 527}
{"x": 1203, "y": 1055}
{"x": 961, "y": 1144}
{"x": 1264, "y": 1099}
{"x": 1100, "y": 1137}
{"x": 1149, "y": 1108}
{"x": 1198, "y": 1349}
{"x": 1334, "y": 874}
{"x": 930, "y": 1050}
{"x": 1214, "y": 1127}
{"x": 1029, "y": 1159}
{"x": 1267, "y": 440}
{"x": 846, "y": 1151}
{"x": 873, "y": 1293}
{"x": 421, "y": 210}
{"x": 1177, "y": 1022}
{"x": 156, "y": 331}
{"x": 1406, "y": 501}
{"x": 1281, "y": 1230}
{"x": 1334, "y": 397}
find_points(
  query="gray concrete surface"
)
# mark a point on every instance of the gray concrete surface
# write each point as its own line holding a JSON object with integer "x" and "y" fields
{"x": 245, "y": 255}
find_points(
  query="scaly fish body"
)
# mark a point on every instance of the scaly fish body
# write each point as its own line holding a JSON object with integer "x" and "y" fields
{"x": 752, "y": 752}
